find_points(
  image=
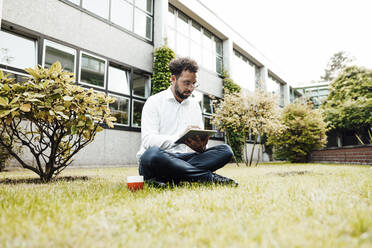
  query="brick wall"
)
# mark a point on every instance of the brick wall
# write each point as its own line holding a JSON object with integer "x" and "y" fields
{"x": 355, "y": 155}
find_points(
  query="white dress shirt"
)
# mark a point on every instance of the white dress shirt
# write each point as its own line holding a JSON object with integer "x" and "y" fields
{"x": 164, "y": 119}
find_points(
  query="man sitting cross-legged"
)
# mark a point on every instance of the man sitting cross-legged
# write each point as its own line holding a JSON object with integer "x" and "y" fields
{"x": 165, "y": 116}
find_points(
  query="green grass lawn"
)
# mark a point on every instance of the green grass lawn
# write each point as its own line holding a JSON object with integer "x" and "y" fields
{"x": 274, "y": 206}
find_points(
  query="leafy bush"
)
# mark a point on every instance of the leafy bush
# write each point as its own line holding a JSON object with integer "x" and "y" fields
{"x": 229, "y": 86}
{"x": 51, "y": 117}
{"x": 161, "y": 77}
{"x": 304, "y": 131}
{"x": 349, "y": 103}
{"x": 243, "y": 115}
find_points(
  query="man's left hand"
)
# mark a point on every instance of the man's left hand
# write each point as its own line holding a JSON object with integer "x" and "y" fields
{"x": 197, "y": 144}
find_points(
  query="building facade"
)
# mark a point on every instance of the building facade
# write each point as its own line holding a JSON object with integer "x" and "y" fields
{"x": 109, "y": 45}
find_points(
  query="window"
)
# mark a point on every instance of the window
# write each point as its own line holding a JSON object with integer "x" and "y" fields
{"x": 274, "y": 87}
{"x": 145, "y": 5}
{"x": 55, "y": 52}
{"x": 17, "y": 51}
{"x": 92, "y": 70}
{"x": 137, "y": 113}
{"x": 118, "y": 80}
{"x": 141, "y": 85}
{"x": 122, "y": 14}
{"x": 142, "y": 24}
{"x": 99, "y": 7}
{"x": 207, "y": 105}
{"x": 120, "y": 109}
{"x": 244, "y": 72}
{"x": 189, "y": 39}
{"x": 133, "y": 15}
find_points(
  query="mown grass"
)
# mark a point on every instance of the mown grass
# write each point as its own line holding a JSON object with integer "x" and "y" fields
{"x": 274, "y": 206}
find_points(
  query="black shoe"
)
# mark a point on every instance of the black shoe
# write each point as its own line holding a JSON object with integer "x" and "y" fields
{"x": 218, "y": 179}
{"x": 156, "y": 183}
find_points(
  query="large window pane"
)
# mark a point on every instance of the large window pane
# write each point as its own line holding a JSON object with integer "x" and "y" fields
{"x": 199, "y": 97}
{"x": 219, "y": 46}
{"x": 171, "y": 17}
{"x": 137, "y": 113}
{"x": 118, "y": 80}
{"x": 141, "y": 85}
{"x": 207, "y": 40}
{"x": 219, "y": 65}
{"x": 272, "y": 86}
{"x": 209, "y": 60}
{"x": 196, "y": 52}
{"x": 195, "y": 32}
{"x": 182, "y": 24}
{"x": 92, "y": 70}
{"x": 145, "y": 5}
{"x": 56, "y": 52}
{"x": 143, "y": 24}
{"x": 122, "y": 13}
{"x": 171, "y": 38}
{"x": 208, "y": 123}
{"x": 120, "y": 109}
{"x": 17, "y": 51}
{"x": 98, "y": 7}
{"x": 182, "y": 45}
{"x": 207, "y": 105}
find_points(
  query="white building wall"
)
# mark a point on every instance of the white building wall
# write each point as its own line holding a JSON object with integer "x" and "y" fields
{"x": 1, "y": 9}
{"x": 64, "y": 22}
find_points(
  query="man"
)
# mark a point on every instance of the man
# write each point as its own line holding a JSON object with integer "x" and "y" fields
{"x": 165, "y": 117}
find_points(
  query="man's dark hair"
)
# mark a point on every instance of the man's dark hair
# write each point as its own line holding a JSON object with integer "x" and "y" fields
{"x": 177, "y": 66}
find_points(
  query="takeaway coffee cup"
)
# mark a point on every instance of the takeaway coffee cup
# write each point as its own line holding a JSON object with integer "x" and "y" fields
{"x": 135, "y": 182}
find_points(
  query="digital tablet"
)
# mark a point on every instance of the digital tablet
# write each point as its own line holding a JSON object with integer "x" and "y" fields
{"x": 193, "y": 132}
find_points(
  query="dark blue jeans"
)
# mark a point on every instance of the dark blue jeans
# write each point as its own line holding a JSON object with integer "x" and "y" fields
{"x": 176, "y": 167}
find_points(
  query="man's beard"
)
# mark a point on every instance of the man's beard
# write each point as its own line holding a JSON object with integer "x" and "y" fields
{"x": 181, "y": 95}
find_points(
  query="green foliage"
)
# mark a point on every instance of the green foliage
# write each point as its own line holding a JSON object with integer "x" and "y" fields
{"x": 304, "y": 131}
{"x": 337, "y": 63}
{"x": 229, "y": 86}
{"x": 349, "y": 103}
{"x": 161, "y": 78}
{"x": 234, "y": 138}
{"x": 50, "y": 116}
{"x": 243, "y": 115}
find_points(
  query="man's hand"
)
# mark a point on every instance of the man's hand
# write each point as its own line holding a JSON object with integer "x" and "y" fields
{"x": 197, "y": 144}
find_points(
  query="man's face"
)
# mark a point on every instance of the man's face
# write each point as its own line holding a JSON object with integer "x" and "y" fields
{"x": 184, "y": 85}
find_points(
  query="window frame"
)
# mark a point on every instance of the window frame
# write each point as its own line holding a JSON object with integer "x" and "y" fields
{"x": 132, "y": 112}
{"x": 108, "y": 20}
{"x": 58, "y": 46}
{"x": 105, "y": 73}
{"x": 129, "y": 109}
{"x": 148, "y": 85}
{"x": 36, "y": 46}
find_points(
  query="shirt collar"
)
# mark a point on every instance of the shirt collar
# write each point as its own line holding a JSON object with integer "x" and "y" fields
{"x": 169, "y": 95}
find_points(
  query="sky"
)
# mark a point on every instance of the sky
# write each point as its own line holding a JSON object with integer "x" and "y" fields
{"x": 300, "y": 36}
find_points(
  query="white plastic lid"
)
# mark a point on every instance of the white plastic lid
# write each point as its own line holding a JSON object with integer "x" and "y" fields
{"x": 134, "y": 179}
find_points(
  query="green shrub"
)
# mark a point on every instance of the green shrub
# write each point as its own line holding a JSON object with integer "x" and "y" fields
{"x": 51, "y": 116}
{"x": 161, "y": 77}
{"x": 304, "y": 131}
{"x": 349, "y": 103}
{"x": 229, "y": 86}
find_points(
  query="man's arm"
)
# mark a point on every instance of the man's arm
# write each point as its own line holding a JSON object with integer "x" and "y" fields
{"x": 196, "y": 143}
{"x": 150, "y": 126}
